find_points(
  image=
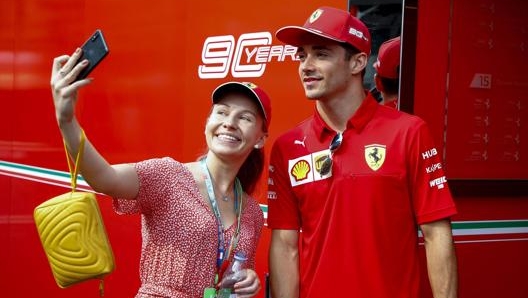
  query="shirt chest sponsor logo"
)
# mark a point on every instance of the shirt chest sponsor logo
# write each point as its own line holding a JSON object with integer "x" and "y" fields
{"x": 306, "y": 169}
{"x": 375, "y": 156}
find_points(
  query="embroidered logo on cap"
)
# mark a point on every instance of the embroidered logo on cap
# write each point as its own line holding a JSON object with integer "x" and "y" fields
{"x": 250, "y": 85}
{"x": 315, "y": 15}
{"x": 357, "y": 33}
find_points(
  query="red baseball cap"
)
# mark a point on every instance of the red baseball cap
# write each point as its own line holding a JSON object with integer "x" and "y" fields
{"x": 331, "y": 23}
{"x": 250, "y": 89}
{"x": 387, "y": 65}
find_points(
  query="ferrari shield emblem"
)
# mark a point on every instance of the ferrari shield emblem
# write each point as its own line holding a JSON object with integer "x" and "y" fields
{"x": 315, "y": 15}
{"x": 375, "y": 156}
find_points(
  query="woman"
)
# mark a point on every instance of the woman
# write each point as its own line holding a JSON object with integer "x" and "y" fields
{"x": 194, "y": 215}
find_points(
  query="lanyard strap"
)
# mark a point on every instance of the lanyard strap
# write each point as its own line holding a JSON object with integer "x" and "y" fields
{"x": 222, "y": 255}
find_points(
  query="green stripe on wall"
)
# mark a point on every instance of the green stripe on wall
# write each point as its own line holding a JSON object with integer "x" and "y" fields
{"x": 456, "y": 225}
{"x": 490, "y": 224}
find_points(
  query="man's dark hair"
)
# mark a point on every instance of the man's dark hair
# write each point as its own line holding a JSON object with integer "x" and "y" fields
{"x": 390, "y": 86}
{"x": 350, "y": 50}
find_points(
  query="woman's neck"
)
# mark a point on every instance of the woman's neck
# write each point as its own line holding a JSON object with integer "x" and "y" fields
{"x": 222, "y": 173}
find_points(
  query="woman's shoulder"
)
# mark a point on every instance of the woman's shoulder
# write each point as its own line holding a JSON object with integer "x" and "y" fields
{"x": 158, "y": 163}
{"x": 166, "y": 167}
{"x": 252, "y": 206}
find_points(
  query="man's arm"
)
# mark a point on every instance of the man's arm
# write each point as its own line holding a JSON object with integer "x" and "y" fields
{"x": 284, "y": 264}
{"x": 441, "y": 258}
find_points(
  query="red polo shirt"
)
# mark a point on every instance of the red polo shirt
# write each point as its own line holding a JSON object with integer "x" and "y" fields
{"x": 393, "y": 103}
{"x": 359, "y": 223}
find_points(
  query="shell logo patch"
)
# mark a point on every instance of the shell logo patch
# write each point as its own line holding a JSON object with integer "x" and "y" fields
{"x": 375, "y": 156}
{"x": 300, "y": 170}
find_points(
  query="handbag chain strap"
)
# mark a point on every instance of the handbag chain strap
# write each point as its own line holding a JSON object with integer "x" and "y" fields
{"x": 78, "y": 159}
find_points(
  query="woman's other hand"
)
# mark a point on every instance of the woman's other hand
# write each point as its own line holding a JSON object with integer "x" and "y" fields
{"x": 249, "y": 286}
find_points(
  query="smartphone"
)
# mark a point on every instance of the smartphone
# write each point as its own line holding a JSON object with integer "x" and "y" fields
{"x": 94, "y": 49}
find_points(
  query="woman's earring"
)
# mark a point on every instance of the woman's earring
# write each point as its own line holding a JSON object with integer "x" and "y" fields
{"x": 260, "y": 144}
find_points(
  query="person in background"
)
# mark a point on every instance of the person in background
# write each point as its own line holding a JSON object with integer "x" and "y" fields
{"x": 349, "y": 186}
{"x": 195, "y": 216}
{"x": 387, "y": 76}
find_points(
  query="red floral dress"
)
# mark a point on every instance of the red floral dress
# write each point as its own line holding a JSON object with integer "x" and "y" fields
{"x": 180, "y": 232}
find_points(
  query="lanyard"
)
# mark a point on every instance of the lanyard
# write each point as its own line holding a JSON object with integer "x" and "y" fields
{"x": 222, "y": 255}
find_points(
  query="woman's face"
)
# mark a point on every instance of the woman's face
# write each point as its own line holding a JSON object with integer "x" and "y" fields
{"x": 235, "y": 126}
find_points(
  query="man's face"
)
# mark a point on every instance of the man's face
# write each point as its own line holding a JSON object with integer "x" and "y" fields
{"x": 323, "y": 69}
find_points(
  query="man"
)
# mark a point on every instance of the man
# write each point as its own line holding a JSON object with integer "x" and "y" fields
{"x": 387, "y": 76}
{"x": 350, "y": 184}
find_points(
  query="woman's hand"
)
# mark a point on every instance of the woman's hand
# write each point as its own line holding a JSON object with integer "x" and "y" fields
{"x": 249, "y": 286}
{"x": 63, "y": 87}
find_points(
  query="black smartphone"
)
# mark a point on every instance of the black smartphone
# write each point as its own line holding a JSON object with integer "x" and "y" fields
{"x": 94, "y": 49}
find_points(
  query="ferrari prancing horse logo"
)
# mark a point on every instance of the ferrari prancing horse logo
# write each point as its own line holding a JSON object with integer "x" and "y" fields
{"x": 375, "y": 156}
{"x": 315, "y": 15}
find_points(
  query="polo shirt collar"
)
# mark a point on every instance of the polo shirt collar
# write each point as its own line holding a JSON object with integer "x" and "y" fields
{"x": 358, "y": 121}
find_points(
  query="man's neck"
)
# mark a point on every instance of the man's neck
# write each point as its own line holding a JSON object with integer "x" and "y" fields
{"x": 337, "y": 111}
{"x": 387, "y": 97}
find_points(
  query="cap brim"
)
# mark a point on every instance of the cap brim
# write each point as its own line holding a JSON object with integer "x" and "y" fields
{"x": 298, "y": 36}
{"x": 221, "y": 90}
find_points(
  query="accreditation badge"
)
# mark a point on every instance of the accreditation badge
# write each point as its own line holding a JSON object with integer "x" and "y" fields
{"x": 209, "y": 293}
{"x": 224, "y": 293}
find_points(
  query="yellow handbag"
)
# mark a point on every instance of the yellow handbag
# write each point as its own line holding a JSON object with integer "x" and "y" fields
{"x": 73, "y": 235}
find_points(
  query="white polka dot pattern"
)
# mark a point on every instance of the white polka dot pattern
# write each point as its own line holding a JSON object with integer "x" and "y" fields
{"x": 179, "y": 231}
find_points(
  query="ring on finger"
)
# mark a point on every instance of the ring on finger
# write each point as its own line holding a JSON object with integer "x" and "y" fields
{"x": 62, "y": 73}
